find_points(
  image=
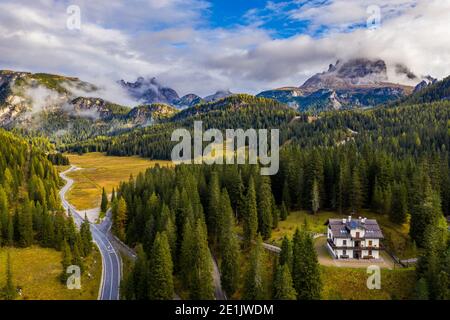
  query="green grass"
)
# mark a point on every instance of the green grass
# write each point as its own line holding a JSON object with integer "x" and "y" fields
{"x": 36, "y": 270}
{"x": 351, "y": 284}
{"x": 396, "y": 236}
{"x": 101, "y": 171}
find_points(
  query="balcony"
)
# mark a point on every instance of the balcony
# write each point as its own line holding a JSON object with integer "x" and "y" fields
{"x": 359, "y": 248}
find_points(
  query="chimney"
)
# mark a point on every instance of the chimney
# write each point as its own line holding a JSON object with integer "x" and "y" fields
{"x": 349, "y": 218}
{"x": 343, "y": 221}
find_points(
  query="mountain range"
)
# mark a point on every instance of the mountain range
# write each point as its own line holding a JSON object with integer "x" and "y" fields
{"x": 356, "y": 83}
{"x": 66, "y": 108}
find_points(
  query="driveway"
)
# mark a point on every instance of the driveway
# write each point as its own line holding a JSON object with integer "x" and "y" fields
{"x": 326, "y": 259}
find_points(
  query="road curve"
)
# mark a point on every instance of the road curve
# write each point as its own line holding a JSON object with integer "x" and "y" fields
{"x": 111, "y": 261}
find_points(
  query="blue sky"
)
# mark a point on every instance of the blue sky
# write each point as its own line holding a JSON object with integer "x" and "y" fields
{"x": 226, "y": 14}
{"x": 200, "y": 46}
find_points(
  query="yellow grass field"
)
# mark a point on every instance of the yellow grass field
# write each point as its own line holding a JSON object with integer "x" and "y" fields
{"x": 36, "y": 271}
{"x": 351, "y": 284}
{"x": 101, "y": 171}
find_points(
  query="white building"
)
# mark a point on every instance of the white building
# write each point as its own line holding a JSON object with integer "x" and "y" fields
{"x": 354, "y": 238}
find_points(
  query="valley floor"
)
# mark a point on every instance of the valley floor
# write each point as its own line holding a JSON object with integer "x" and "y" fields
{"x": 100, "y": 171}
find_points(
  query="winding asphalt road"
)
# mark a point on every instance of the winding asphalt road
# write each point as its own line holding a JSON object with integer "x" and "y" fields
{"x": 111, "y": 261}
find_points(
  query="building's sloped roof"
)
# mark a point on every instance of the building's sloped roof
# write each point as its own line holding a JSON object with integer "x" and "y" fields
{"x": 342, "y": 230}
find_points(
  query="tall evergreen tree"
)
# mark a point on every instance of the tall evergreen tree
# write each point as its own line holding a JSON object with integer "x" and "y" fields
{"x": 161, "y": 269}
{"x": 229, "y": 247}
{"x": 315, "y": 197}
{"x": 251, "y": 214}
{"x": 305, "y": 267}
{"x": 356, "y": 195}
{"x": 9, "y": 290}
{"x": 104, "y": 202}
{"x": 399, "y": 204}
{"x": 254, "y": 281}
{"x": 265, "y": 218}
{"x": 283, "y": 285}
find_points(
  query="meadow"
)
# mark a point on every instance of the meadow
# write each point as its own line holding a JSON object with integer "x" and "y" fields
{"x": 36, "y": 272}
{"x": 100, "y": 171}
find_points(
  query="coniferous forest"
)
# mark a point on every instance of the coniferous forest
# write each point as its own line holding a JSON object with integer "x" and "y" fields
{"x": 30, "y": 209}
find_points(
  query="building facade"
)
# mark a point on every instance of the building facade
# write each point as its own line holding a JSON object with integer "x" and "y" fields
{"x": 354, "y": 238}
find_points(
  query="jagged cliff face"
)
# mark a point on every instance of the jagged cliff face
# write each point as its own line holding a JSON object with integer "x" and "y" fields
{"x": 148, "y": 91}
{"x": 357, "y": 83}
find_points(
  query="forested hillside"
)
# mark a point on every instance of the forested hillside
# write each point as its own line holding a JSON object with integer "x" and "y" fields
{"x": 240, "y": 111}
{"x": 30, "y": 209}
{"x": 434, "y": 92}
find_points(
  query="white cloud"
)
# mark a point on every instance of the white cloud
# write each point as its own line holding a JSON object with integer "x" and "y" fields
{"x": 171, "y": 40}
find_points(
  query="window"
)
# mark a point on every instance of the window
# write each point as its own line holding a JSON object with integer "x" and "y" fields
{"x": 344, "y": 252}
{"x": 357, "y": 234}
{"x": 370, "y": 252}
{"x": 370, "y": 243}
{"x": 344, "y": 242}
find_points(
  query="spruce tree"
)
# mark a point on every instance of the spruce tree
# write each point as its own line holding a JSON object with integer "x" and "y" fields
{"x": 161, "y": 269}
{"x": 229, "y": 247}
{"x": 305, "y": 267}
{"x": 286, "y": 253}
{"x": 9, "y": 290}
{"x": 283, "y": 212}
{"x": 251, "y": 214}
{"x": 254, "y": 279}
{"x": 104, "y": 202}
{"x": 315, "y": 197}
{"x": 140, "y": 274}
{"x": 66, "y": 261}
{"x": 283, "y": 285}
{"x": 265, "y": 208}
{"x": 356, "y": 195}
{"x": 25, "y": 227}
{"x": 213, "y": 213}
{"x": 399, "y": 204}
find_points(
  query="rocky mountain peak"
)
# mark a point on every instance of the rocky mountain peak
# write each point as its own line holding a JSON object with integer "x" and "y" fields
{"x": 354, "y": 72}
{"x": 149, "y": 90}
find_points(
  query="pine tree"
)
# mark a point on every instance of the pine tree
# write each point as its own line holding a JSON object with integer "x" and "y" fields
{"x": 76, "y": 256}
{"x": 399, "y": 204}
{"x": 9, "y": 290}
{"x": 86, "y": 237}
{"x": 229, "y": 247}
{"x": 119, "y": 218}
{"x": 315, "y": 197}
{"x": 254, "y": 281}
{"x": 283, "y": 212}
{"x": 161, "y": 269}
{"x": 26, "y": 224}
{"x": 113, "y": 195}
{"x": 66, "y": 261}
{"x": 356, "y": 195}
{"x": 265, "y": 208}
{"x": 213, "y": 205}
{"x": 251, "y": 214}
{"x": 286, "y": 196}
{"x": 283, "y": 285}
{"x": 201, "y": 280}
{"x": 104, "y": 203}
{"x": 140, "y": 275}
{"x": 286, "y": 253}
{"x": 305, "y": 267}
{"x": 4, "y": 215}
{"x": 422, "y": 289}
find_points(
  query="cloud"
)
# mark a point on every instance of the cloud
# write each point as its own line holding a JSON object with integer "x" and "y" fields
{"x": 173, "y": 41}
